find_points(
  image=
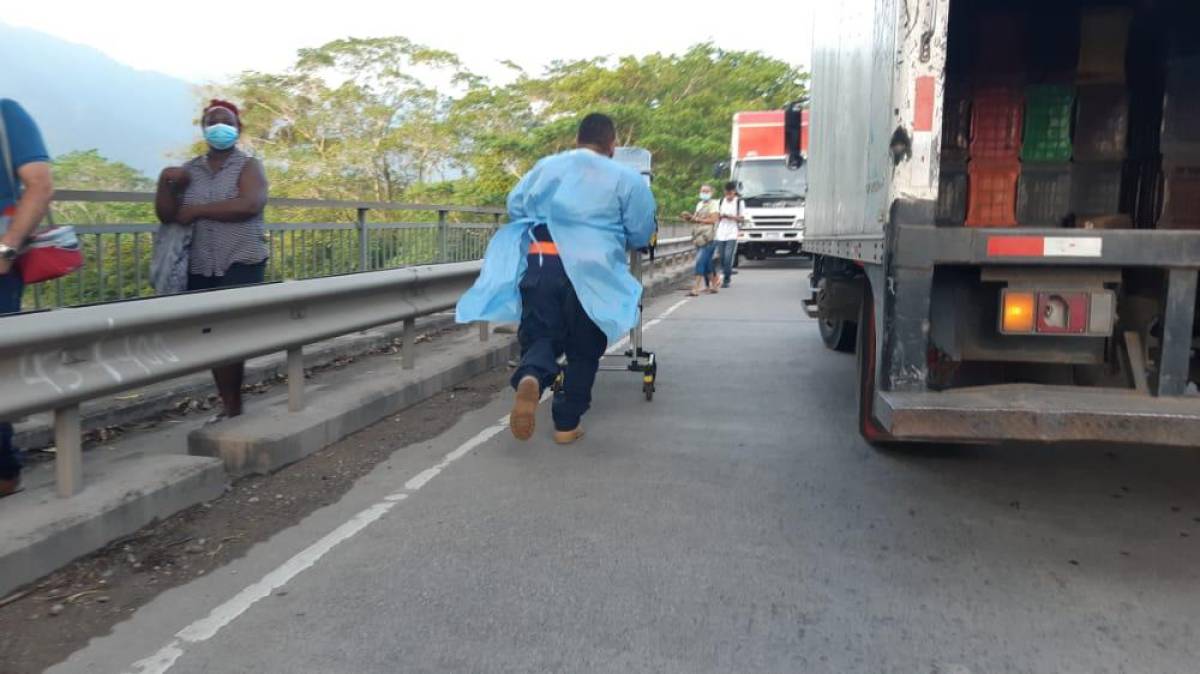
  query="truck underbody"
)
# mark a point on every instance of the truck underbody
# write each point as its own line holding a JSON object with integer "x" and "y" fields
{"x": 925, "y": 303}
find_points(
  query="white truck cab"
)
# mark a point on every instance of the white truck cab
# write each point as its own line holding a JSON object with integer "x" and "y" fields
{"x": 773, "y": 198}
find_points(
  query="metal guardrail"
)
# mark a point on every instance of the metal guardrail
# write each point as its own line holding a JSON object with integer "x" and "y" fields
{"x": 60, "y": 359}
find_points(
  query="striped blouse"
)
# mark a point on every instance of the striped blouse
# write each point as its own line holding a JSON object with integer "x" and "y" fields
{"x": 216, "y": 246}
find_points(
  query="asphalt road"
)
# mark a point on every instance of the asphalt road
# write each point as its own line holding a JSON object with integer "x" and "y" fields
{"x": 737, "y": 523}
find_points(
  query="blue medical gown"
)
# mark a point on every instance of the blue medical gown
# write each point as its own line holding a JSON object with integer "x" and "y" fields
{"x": 596, "y": 209}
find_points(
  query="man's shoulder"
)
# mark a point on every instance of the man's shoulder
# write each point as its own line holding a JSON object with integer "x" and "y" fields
{"x": 14, "y": 113}
{"x": 555, "y": 161}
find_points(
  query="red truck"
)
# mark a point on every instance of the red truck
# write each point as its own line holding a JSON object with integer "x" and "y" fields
{"x": 773, "y": 191}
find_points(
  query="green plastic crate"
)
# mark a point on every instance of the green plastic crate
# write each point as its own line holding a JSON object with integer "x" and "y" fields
{"x": 1048, "y": 123}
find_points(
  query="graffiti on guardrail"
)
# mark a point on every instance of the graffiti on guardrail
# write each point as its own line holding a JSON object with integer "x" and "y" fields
{"x": 67, "y": 371}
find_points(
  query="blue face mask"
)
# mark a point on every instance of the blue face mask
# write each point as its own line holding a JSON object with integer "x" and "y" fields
{"x": 220, "y": 136}
{"x": 705, "y": 196}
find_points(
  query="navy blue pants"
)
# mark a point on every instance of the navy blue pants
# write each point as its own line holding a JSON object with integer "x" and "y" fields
{"x": 553, "y": 323}
{"x": 11, "y": 287}
{"x": 238, "y": 274}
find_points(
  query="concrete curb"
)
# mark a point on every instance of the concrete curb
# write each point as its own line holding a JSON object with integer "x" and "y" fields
{"x": 266, "y": 441}
{"x": 40, "y": 535}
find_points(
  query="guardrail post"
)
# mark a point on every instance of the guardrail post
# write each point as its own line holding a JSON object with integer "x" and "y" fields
{"x": 295, "y": 377}
{"x": 443, "y": 238}
{"x": 495, "y": 221}
{"x": 484, "y": 332}
{"x": 364, "y": 240}
{"x": 408, "y": 345}
{"x": 68, "y": 457}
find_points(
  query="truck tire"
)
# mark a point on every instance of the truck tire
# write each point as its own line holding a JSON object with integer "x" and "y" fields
{"x": 868, "y": 426}
{"x": 840, "y": 336}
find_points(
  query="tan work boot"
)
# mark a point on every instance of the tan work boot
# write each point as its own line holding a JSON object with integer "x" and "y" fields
{"x": 567, "y": 437}
{"x": 525, "y": 405}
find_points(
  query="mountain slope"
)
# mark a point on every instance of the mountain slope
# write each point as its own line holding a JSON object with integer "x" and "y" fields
{"x": 82, "y": 99}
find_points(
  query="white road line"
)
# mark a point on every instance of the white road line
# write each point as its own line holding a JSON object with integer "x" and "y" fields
{"x": 208, "y": 627}
{"x": 673, "y": 308}
{"x": 422, "y": 478}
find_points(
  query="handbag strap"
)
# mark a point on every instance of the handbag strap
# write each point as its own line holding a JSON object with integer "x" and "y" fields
{"x": 7, "y": 156}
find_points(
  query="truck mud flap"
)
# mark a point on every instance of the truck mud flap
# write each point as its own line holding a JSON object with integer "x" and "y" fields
{"x": 1038, "y": 413}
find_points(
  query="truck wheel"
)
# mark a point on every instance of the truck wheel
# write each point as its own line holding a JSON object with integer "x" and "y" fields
{"x": 870, "y": 429}
{"x": 838, "y": 335}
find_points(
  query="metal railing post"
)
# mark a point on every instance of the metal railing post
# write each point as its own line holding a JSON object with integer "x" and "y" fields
{"x": 68, "y": 457}
{"x": 484, "y": 331}
{"x": 364, "y": 240}
{"x": 408, "y": 345}
{"x": 295, "y": 377}
{"x": 443, "y": 238}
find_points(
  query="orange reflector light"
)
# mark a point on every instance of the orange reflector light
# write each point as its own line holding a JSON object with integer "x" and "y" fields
{"x": 1017, "y": 312}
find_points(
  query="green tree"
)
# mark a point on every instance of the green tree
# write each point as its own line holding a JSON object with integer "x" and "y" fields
{"x": 87, "y": 170}
{"x": 116, "y": 266}
{"x": 678, "y": 106}
{"x": 352, "y": 119}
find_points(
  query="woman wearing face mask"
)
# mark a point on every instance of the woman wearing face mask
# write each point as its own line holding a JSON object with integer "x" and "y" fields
{"x": 703, "y": 238}
{"x": 221, "y": 195}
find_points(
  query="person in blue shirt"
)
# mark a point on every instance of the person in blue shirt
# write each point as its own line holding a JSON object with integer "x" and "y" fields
{"x": 561, "y": 268}
{"x": 22, "y": 207}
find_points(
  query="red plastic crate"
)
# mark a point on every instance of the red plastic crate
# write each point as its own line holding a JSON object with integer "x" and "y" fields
{"x": 1181, "y": 206}
{"x": 992, "y": 193}
{"x": 997, "y": 114}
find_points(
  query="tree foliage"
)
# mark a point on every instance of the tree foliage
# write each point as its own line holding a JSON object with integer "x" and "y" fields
{"x": 680, "y": 107}
{"x": 389, "y": 119}
{"x": 87, "y": 170}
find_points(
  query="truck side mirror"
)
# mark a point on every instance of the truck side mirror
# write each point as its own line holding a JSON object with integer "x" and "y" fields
{"x": 720, "y": 170}
{"x": 793, "y": 124}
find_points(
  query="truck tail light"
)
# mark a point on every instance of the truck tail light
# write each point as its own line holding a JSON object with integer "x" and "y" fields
{"x": 1052, "y": 312}
{"x": 1016, "y": 312}
{"x": 1063, "y": 313}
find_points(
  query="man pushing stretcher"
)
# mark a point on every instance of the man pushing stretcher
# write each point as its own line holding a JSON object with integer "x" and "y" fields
{"x": 560, "y": 268}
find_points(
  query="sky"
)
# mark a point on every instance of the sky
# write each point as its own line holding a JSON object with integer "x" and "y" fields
{"x": 177, "y": 38}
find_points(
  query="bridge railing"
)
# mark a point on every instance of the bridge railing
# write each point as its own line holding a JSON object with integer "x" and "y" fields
{"x": 56, "y": 360}
{"x": 308, "y": 238}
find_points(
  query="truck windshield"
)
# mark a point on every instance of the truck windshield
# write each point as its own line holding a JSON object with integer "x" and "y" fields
{"x": 771, "y": 180}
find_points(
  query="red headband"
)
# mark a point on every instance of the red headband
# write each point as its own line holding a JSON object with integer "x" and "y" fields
{"x": 218, "y": 103}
